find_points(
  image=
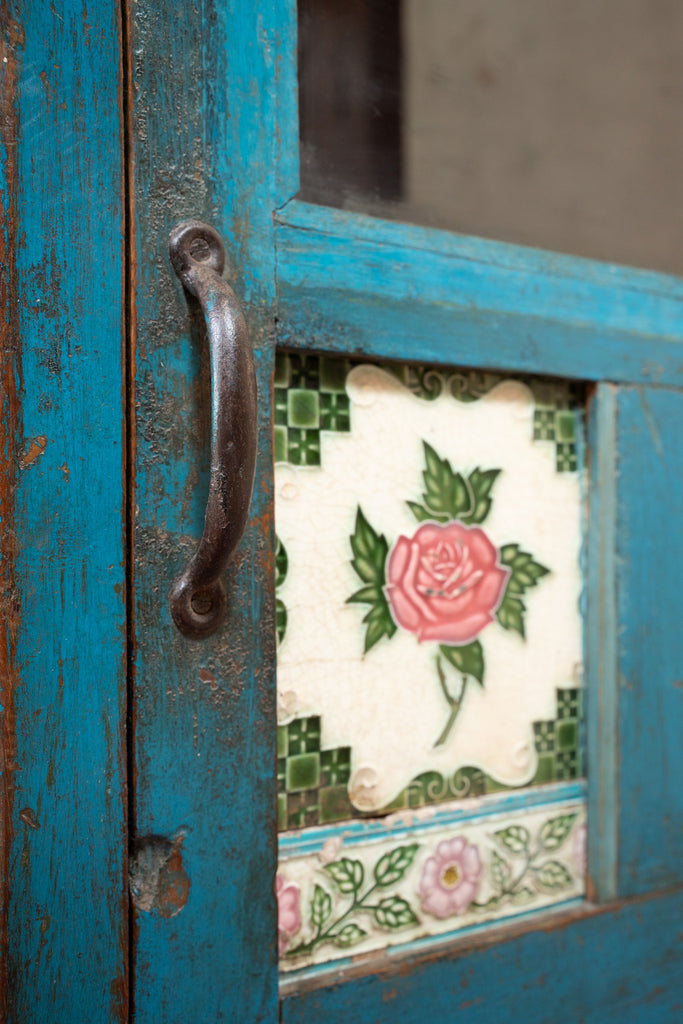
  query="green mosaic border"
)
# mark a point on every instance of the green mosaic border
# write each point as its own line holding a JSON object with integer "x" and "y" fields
{"x": 313, "y": 782}
{"x": 310, "y": 397}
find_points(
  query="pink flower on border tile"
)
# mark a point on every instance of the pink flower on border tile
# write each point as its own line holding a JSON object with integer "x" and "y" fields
{"x": 445, "y": 583}
{"x": 288, "y": 911}
{"x": 450, "y": 879}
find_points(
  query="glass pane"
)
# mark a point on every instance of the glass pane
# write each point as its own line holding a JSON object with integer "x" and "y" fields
{"x": 540, "y": 122}
{"x": 430, "y": 649}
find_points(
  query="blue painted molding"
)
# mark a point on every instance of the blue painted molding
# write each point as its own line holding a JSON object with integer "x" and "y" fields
{"x": 359, "y": 285}
{"x": 648, "y": 560}
{"x": 601, "y": 641}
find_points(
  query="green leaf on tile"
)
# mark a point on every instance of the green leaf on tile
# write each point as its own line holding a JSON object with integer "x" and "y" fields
{"x": 448, "y": 495}
{"x": 469, "y": 659}
{"x": 525, "y": 572}
{"x": 553, "y": 875}
{"x": 370, "y": 551}
{"x": 555, "y": 831}
{"x": 349, "y": 935}
{"x": 321, "y": 907}
{"x": 515, "y": 838}
{"x": 511, "y": 614}
{"x": 500, "y": 871}
{"x": 394, "y": 912}
{"x": 480, "y": 483}
{"x": 347, "y": 874}
{"x": 393, "y": 865}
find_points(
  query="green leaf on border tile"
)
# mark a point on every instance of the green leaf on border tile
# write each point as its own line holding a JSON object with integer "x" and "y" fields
{"x": 480, "y": 483}
{"x": 321, "y": 907}
{"x": 394, "y": 912}
{"x": 556, "y": 830}
{"x": 393, "y": 865}
{"x": 349, "y": 935}
{"x": 515, "y": 838}
{"x": 370, "y": 551}
{"x": 281, "y": 563}
{"x": 553, "y": 875}
{"x": 468, "y": 659}
{"x": 521, "y": 896}
{"x": 347, "y": 874}
{"x": 500, "y": 870}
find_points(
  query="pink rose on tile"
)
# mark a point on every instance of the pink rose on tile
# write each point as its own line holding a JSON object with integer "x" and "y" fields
{"x": 445, "y": 583}
{"x": 450, "y": 879}
{"x": 288, "y": 911}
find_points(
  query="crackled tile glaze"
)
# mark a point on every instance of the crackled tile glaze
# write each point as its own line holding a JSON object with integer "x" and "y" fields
{"x": 352, "y": 897}
{"x": 428, "y": 585}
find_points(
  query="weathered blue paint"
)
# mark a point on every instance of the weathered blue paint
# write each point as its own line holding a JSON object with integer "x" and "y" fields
{"x": 207, "y": 85}
{"x": 349, "y": 283}
{"x": 601, "y": 638}
{"x": 622, "y": 964}
{"x": 649, "y": 557}
{"x": 63, "y": 700}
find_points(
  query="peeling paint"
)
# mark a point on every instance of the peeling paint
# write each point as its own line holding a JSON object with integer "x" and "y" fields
{"x": 28, "y": 816}
{"x": 157, "y": 877}
{"x": 33, "y": 449}
{"x": 11, "y": 44}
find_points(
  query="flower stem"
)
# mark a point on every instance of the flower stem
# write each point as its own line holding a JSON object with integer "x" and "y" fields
{"x": 453, "y": 702}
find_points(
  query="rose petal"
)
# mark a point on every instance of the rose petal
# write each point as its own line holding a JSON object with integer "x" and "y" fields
{"x": 398, "y": 560}
{"x": 458, "y": 633}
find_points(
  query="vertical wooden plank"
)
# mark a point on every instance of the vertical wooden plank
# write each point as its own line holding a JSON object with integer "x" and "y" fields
{"x": 601, "y": 648}
{"x": 205, "y": 716}
{"x": 63, "y": 620}
{"x": 650, "y": 609}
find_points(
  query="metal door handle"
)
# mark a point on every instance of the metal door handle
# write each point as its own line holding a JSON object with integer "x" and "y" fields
{"x": 198, "y": 601}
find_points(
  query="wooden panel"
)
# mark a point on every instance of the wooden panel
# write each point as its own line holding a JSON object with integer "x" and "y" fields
{"x": 559, "y": 972}
{"x": 205, "y": 710}
{"x": 650, "y": 654}
{"x": 63, "y": 615}
{"x": 352, "y": 284}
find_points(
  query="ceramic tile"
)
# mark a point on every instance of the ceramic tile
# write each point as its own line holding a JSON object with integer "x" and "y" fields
{"x": 354, "y": 895}
{"x": 428, "y": 586}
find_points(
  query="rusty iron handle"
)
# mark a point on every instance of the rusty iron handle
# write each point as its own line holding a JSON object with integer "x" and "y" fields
{"x": 198, "y": 601}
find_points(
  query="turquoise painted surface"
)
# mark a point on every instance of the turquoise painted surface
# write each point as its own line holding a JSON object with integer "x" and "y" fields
{"x": 560, "y": 972}
{"x": 207, "y": 82}
{"x": 348, "y": 283}
{"x": 64, "y": 690}
{"x": 649, "y": 556}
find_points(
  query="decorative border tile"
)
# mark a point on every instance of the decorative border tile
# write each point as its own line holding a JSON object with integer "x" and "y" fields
{"x": 314, "y": 791}
{"x": 310, "y": 396}
{"x": 354, "y": 897}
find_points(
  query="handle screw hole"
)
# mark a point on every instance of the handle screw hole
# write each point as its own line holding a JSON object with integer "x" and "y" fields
{"x": 201, "y": 603}
{"x": 200, "y": 250}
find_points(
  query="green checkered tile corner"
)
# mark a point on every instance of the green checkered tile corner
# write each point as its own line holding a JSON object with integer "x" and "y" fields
{"x": 309, "y": 397}
{"x": 313, "y": 783}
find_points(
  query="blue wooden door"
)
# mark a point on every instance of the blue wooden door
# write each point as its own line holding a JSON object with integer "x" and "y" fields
{"x": 157, "y": 115}
{"x": 215, "y": 136}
